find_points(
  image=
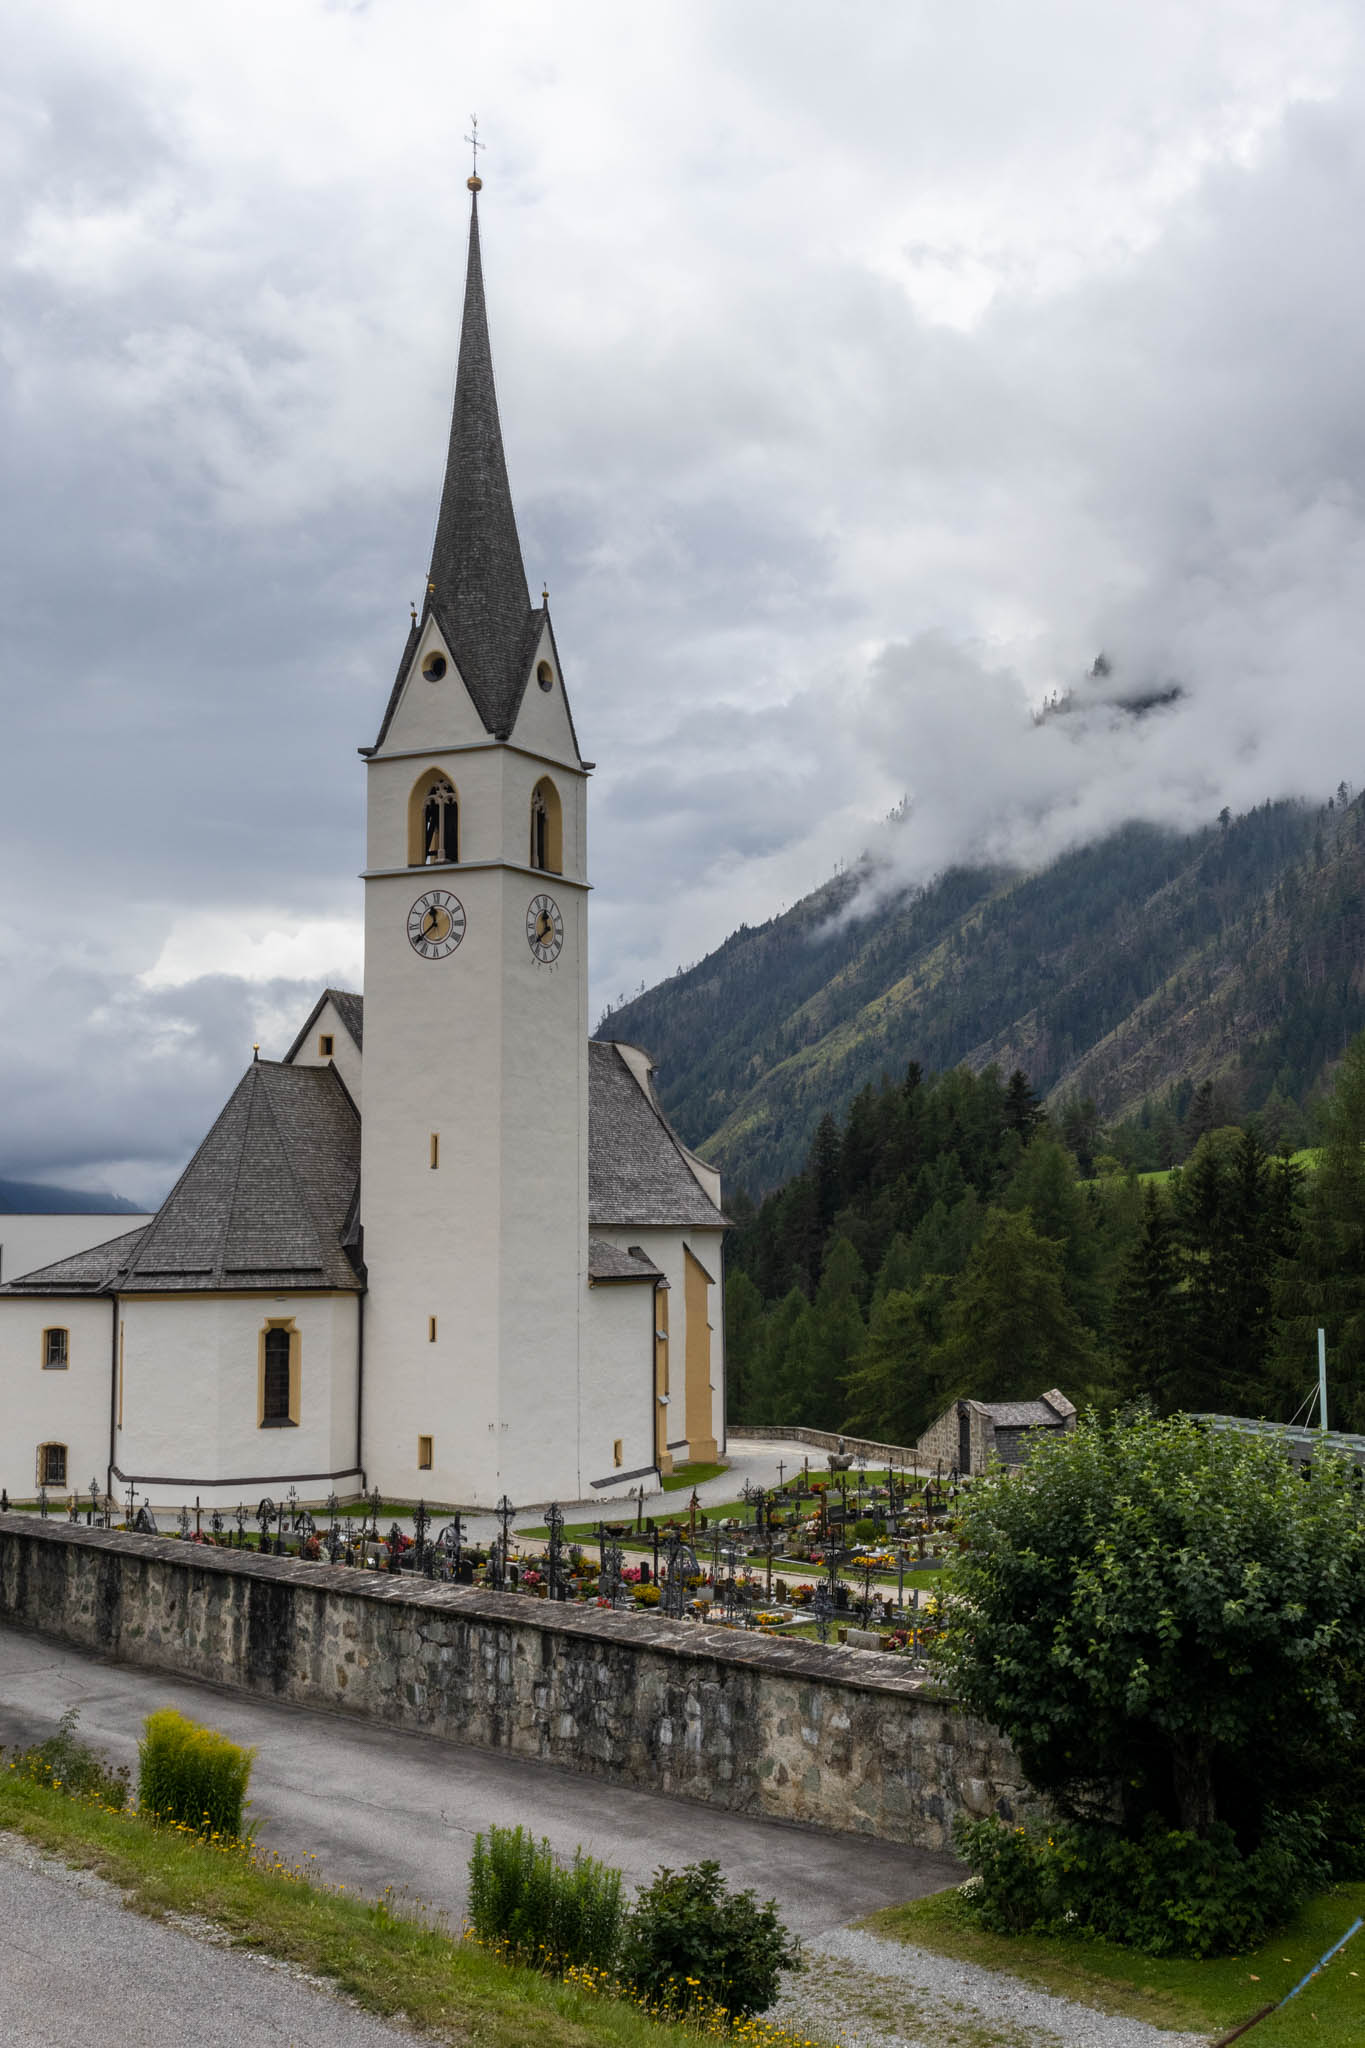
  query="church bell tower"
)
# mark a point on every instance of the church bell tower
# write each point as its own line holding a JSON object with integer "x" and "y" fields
{"x": 474, "y": 1195}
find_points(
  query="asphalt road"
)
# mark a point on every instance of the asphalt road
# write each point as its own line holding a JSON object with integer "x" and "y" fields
{"x": 76, "y": 1966}
{"x": 380, "y": 1807}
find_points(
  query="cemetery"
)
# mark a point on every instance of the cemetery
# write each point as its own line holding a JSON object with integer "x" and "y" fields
{"x": 847, "y": 1554}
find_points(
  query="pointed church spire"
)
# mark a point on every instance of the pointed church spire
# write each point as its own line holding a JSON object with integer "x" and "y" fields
{"x": 477, "y": 584}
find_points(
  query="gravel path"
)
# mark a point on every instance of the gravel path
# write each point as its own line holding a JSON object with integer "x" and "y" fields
{"x": 864, "y": 1992}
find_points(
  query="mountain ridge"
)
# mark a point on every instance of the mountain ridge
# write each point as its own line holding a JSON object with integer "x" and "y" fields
{"x": 1144, "y": 962}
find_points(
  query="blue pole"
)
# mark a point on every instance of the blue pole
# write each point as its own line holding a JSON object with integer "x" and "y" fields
{"x": 1353, "y": 1929}
{"x": 1322, "y": 1379}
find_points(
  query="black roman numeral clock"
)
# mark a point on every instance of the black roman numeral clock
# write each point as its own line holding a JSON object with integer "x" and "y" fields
{"x": 436, "y": 924}
{"x": 545, "y": 929}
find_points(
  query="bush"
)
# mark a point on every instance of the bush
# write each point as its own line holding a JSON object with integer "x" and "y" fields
{"x": 522, "y": 1900}
{"x": 192, "y": 1775}
{"x": 690, "y": 1942}
{"x": 1168, "y": 1623}
{"x": 1166, "y": 1892}
{"x": 73, "y": 1767}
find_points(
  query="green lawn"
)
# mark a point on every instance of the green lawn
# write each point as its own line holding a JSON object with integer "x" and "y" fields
{"x": 692, "y": 1475}
{"x": 392, "y": 1957}
{"x": 1210, "y": 1997}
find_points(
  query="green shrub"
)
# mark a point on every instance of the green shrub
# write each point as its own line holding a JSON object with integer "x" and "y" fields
{"x": 1166, "y": 1891}
{"x": 541, "y": 1912}
{"x": 689, "y": 1942}
{"x": 192, "y": 1775}
{"x": 866, "y": 1530}
{"x": 73, "y": 1767}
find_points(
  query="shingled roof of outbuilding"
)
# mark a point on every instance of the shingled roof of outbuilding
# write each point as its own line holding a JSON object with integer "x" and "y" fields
{"x": 637, "y": 1170}
{"x": 263, "y": 1203}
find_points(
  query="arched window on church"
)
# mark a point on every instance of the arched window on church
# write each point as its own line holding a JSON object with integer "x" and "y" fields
{"x": 279, "y": 1376}
{"x": 433, "y": 822}
{"x": 547, "y": 828}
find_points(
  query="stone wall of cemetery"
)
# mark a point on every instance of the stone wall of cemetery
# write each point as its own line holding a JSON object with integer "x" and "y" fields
{"x": 833, "y": 1737}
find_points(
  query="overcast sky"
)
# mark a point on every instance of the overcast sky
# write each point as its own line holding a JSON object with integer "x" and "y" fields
{"x": 864, "y": 370}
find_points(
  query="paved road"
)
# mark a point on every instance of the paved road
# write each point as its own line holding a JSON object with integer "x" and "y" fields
{"x": 380, "y": 1807}
{"x": 77, "y": 1966}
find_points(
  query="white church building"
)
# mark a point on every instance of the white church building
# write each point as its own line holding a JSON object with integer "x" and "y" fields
{"x": 447, "y": 1246}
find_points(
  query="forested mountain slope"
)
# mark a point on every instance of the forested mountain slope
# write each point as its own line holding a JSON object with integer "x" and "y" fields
{"x": 1145, "y": 962}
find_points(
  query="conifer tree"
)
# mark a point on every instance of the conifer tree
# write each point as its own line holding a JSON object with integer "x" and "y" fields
{"x": 1009, "y": 1329}
{"x": 1325, "y": 1284}
{"x": 1148, "y": 1318}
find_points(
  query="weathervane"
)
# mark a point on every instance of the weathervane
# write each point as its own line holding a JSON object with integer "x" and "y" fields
{"x": 475, "y": 182}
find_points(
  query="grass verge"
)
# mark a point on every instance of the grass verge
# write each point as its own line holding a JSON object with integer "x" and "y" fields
{"x": 399, "y": 1966}
{"x": 1197, "y": 1997}
{"x": 692, "y": 1475}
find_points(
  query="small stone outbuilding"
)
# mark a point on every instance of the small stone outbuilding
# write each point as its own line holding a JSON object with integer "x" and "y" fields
{"x": 970, "y": 1433}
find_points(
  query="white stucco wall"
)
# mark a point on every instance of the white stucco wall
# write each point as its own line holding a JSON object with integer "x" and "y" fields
{"x": 666, "y": 1248}
{"x": 39, "y": 1406}
{"x": 29, "y": 1241}
{"x": 618, "y": 1397}
{"x": 190, "y": 1403}
{"x": 488, "y": 1049}
{"x": 345, "y": 1054}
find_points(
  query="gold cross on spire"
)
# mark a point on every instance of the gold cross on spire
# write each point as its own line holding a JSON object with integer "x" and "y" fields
{"x": 474, "y": 181}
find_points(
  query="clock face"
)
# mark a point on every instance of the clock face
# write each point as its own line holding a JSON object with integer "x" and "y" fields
{"x": 436, "y": 924}
{"x": 545, "y": 928}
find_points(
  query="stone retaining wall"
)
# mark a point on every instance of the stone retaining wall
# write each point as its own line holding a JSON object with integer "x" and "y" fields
{"x": 837, "y": 1738}
{"x": 901, "y": 1456}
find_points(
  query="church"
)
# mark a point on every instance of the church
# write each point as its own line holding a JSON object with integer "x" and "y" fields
{"x": 447, "y": 1246}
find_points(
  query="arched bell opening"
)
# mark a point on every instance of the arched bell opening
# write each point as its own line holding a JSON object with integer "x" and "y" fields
{"x": 433, "y": 821}
{"x": 547, "y": 828}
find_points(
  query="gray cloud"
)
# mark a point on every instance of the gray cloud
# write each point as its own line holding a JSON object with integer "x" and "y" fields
{"x": 863, "y": 373}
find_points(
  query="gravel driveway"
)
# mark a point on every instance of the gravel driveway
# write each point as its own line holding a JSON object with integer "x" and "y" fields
{"x": 865, "y": 1992}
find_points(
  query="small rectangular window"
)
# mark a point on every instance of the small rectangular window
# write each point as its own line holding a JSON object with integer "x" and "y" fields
{"x": 52, "y": 1464}
{"x": 618, "y": 1453}
{"x": 326, "y": 1044}
{"x": 55, "y": 1351}
{"x": 424, "y": 1454}
{"x": 435, "y": 1148}
{"x": 431, "y": 1329}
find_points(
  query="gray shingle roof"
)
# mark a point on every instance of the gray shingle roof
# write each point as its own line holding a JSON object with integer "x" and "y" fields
{"x": 263, "y": 1203}
{"x": 477, "y": 582}
{"x": 636, "y": 1170}
{"x": 1022, "y": 1414}
{"x": 610, "y": 1262}
{"x": 82, "y": 1272}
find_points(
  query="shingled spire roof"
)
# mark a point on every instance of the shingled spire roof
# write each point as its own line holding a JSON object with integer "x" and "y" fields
{"x": 476, "y": 582}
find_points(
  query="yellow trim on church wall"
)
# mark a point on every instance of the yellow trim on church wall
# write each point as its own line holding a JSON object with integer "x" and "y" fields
{"x": 295, "y": 1350}
{"x": 663, "y": 1457}
{"x": 701, "y": 1442}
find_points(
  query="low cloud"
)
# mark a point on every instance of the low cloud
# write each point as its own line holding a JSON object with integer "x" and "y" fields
{"x": 859, "y": 387}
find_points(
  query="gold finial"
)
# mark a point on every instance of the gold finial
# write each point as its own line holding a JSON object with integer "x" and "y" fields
{"x": 545, "y": 593}
{"x": 475, "y": 183}
{"x": 255, "y": 1052}
{"x": 431, "y": 590}
{"x": 413, "y": 609}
